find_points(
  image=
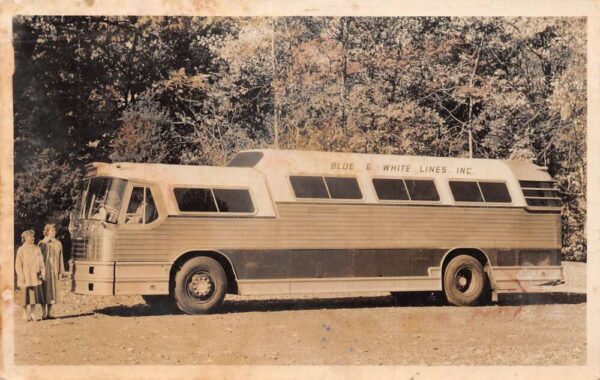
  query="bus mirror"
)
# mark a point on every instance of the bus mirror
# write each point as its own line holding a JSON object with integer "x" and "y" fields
{"x": 101, "y": 214}
{"x": 71, "y": 227}
{"x": 111, "y": 217}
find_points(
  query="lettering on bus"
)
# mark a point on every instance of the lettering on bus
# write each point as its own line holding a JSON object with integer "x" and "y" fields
{"x": 406, "y": 168}
{"x": 432, "y": 169}
{"x": 396, "y": 168}
{"x": 463, "y": 170}
{"x": 342, "y": 165}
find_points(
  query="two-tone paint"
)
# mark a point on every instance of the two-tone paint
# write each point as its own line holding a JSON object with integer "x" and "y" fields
{"x": 290, "y": 245}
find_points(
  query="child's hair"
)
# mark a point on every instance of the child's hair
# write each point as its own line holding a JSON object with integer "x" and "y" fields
{"x": 47, "y": 227}
{"x": 25, "y": 233}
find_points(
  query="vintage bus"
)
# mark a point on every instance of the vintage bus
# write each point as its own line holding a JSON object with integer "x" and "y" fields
{"x": 288, "y": 222}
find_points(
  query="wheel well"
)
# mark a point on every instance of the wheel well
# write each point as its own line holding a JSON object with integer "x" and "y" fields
{"x": 217, "y": 256}
{"x": 474, "y": 252}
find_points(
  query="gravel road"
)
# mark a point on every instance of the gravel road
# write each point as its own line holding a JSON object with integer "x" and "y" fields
{"x": 532, "y": 329}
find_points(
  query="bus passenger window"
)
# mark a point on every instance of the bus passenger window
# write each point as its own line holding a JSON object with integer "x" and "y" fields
{"x": 141, "y": 208}
{"x": 495, "y": 192}
{"x": 343, "y": 188}
{"x": 421, "y": 190}
{"x": 195, "y": 200}
{"x": 390, "y": 189}
{"x": 464, "y": 191}
{"x": 309, "y": 187}
{"x": 233, "y": 200}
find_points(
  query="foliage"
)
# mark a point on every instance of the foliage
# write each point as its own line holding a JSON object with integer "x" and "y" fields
{"x": 46, "y": 186}
{"x": 196, "y": 90}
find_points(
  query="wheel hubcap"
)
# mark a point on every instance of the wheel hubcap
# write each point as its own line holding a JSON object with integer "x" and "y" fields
{"x": 200, "y": 286}
{"x": 464, "y": 281}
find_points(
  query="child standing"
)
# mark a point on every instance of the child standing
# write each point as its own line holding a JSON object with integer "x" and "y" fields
{"x": 31, "y": 271}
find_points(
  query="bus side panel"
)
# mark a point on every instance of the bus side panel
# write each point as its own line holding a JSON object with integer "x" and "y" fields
{"x": 326, "y": 240}
{"x": 142, "y": 278}
{"x": 332, "y": 263}
{"x": 333, "y": 226}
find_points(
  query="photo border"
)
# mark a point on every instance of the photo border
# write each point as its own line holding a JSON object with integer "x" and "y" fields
{"x": 589, "y": 9}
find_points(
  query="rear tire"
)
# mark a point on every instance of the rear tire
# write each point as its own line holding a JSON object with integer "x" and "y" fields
{"x": 465, "y": 282}
{"x": 200, "y": 286}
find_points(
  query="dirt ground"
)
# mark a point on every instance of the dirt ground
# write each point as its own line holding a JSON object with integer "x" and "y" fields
{"x": 532, "y": 329}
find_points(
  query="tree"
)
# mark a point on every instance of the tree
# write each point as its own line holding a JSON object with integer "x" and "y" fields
{"x": 197, "y": 90}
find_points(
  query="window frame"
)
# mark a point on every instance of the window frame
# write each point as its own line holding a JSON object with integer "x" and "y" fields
{"x": 195, "y": 188}
{"x": 408, "y": 201}
{"x": 213, "y": 213}
{"x": 158, "y": 203}
{"x": 362, "y": 196}
{"x": 289, "y": 181}
{"x": 254, "y": 209}
{"x": 483, "y": 203}
{"x": 391, "y": 200}
{"x": 495, "y": 181}
{"x": 329, "y": 199}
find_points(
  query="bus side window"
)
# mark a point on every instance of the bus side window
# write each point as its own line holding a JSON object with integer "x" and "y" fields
{"x": 465, "y": 191}
{"x": 421, "y": 190}
{"x": 390, "y": 189}
{"x": 233, "y": 200}
{"x": 141, "y": 208}
{"x": 309, "y": 187}
{"x": 343, "y": 188}
{"x": 195, "y": 200}
{"x": 495, "y": 192}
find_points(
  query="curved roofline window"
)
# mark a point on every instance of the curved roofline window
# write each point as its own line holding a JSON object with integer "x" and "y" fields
{"x": 246, "y": 159}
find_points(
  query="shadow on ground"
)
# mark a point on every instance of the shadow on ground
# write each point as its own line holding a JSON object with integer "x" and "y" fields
{"x": 541, "y": 299}
{"x": 72, "y": 316}
{"x": 413, "y": 299}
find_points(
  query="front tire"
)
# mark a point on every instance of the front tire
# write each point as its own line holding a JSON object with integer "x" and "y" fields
{"x": 200, "y": 286}
{"x": 465, "y": 282}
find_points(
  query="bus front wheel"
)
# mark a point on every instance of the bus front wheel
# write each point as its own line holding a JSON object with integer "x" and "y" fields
{"x": 200, "y": 286}
{"x": 464, "y": 281}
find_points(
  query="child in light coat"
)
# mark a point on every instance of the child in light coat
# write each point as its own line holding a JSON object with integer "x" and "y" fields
{"x": 31, "y": 271}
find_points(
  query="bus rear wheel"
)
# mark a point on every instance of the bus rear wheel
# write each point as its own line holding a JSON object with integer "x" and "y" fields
{"x": 200, "y": 286}
{"x": 464, "y": 281}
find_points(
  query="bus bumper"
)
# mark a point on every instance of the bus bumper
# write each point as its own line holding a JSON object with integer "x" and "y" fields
{"x": 120, "y": 278}
{"x": 526, "y": 278}
{"x": 92, "y": 277}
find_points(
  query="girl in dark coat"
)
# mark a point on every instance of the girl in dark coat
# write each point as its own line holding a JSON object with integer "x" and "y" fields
{"x": 52, "y": 251}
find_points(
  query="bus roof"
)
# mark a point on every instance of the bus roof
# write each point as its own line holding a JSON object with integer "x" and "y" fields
{"x": 267, "y": 172}
{"x": 175, "y": 174}
{"x": 271, "y": 161}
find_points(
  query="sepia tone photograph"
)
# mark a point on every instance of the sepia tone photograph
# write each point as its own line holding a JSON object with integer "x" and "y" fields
{"x": 298, "y": 191}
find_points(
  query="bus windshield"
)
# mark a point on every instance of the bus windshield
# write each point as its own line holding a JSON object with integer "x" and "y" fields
{"x": 101, "y": 199}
